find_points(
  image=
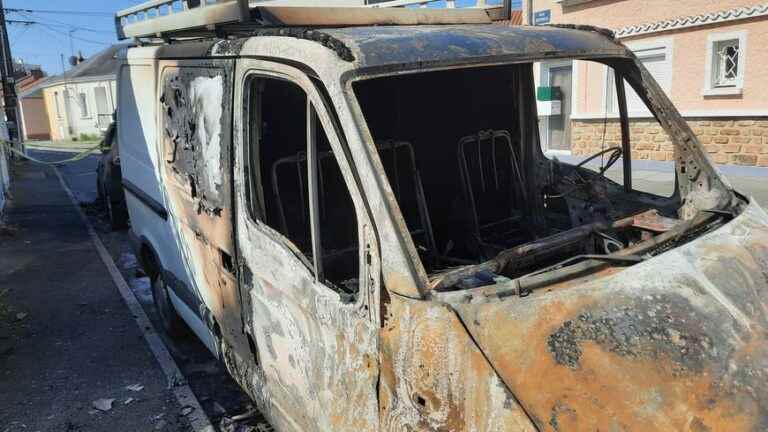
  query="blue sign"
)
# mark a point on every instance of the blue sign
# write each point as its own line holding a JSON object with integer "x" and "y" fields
{"x": 542, "y": 17}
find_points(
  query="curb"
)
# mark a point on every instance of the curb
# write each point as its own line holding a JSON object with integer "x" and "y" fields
{"x": 197, "y": 419}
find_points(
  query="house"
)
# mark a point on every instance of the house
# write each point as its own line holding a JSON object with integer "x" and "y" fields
{"x": 33, "y": 115}
{"x": 710, "y": 57}
{"x": 81, "y": 101}
{"x": 5, "y": 177}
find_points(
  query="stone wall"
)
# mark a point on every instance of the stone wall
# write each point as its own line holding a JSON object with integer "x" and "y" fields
{"x": 728, "y": 141}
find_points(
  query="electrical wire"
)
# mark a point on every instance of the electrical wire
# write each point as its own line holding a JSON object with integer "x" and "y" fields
{"x": 60, "y": 12}
{"x": 49, "y": 29}
{"x": 58, "y": 23}
{"x": 17, "y": 36}
{"x": 35, "y": 20}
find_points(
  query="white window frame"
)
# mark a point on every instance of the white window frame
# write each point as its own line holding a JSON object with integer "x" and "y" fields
{"x": 710, "y": 89}
{"x": 544, "y": 75}
{"x": 82, "y": 102}
{"x": 642, "y": 49}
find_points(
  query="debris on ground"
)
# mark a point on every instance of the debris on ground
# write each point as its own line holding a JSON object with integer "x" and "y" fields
{"x": 135, "y": 387}
{"x": 8, "y": 230}
{"x": 103, "y": 405}
{"x": 20, "y": 316}
{"x": 175, "y": 381}
{"x": 160, "y": 425}
{"x": 142, "y": 289}
{"x": 249, "y": 421}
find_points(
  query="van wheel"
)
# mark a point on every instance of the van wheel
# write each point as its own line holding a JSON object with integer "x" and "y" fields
{"x": 117, "y": 212}
{"x": 172, "y": 323}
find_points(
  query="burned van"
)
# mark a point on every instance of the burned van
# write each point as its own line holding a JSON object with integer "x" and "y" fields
{"x": 361, "y": 222}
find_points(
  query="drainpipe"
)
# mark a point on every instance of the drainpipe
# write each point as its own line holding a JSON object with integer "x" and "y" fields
{"x": 529, "y": 14}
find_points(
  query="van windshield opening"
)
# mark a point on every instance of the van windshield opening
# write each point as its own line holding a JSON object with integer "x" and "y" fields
{"x": 485, "y": 200}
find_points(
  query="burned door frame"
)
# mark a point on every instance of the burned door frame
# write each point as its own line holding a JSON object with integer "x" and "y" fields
{"x": 199, "y": 191}
{"x": 317, "y": 349}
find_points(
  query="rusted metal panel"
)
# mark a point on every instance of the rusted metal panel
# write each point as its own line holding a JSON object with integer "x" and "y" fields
{"x": 676, "y": 343}
{"x": 318, "y": 363}
{"x": 433, "y": 376}
{"x": 671, "y": 342}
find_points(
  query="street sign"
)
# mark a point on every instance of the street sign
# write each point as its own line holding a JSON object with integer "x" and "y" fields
{"x": 542, "y": 17}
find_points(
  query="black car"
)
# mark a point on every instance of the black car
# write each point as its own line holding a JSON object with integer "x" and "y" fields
{"x": 109, "y": 180}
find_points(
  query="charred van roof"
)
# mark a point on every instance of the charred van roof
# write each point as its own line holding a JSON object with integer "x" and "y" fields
{"x": 382, "y": 46}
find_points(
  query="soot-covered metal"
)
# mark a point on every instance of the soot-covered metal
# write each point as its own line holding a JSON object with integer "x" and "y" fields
{"x": 630, "y": 312}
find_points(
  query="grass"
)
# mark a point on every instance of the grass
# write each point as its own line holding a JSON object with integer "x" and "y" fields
{"x": 88, "y": 137}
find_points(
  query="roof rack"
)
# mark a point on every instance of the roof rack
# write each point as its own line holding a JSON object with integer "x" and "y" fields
{"x": 194, "y": 18}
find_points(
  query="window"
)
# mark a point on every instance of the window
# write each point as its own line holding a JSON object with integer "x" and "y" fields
{"x": 103, "y": 112}
{"x": 82, "y": 101}
{"x": 652, "y": 157}
{"x": 656, "y": 56}
{"x": 725, "y": 64}
{"x": 454, "y": 160}
{"x": 58, "y": 104}
{"x": 284, "y": 133}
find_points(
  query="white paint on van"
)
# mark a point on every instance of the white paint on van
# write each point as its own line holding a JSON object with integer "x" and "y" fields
{"x": 207, "y": 96}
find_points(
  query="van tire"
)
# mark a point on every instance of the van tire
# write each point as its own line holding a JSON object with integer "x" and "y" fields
{"x": 117, "y": 212}
{"x": 172, "y": 324}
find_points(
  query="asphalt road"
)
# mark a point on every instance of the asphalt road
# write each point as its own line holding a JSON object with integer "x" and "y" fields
{"x": 71, "y": 355}
{"x": 218, "y": 393}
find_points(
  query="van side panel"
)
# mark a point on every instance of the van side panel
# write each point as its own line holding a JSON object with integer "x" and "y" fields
{"x": 195, "y": 156}
{"x": 147, "y": 206}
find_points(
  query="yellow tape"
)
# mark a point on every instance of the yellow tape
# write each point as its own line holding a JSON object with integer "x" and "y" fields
{"x": 80, "y": 156}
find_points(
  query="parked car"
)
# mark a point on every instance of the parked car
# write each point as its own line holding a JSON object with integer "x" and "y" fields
{"x": 109, "y": 180}
{"x": 352, "y": 209}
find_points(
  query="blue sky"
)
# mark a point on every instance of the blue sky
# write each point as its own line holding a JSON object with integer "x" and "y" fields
{"x": 45, "y": 42}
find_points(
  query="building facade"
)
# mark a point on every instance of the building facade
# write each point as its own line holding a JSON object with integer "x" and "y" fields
{"x": 710, "y": 56}
{"x": 80, "y": 102}
{"x": 80, "y": 109}
{"x": 33, "y": 115}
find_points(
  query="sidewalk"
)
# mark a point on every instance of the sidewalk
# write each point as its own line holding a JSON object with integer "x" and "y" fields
{"x": 659, "y": 178}
{"x": 66, "y": 337}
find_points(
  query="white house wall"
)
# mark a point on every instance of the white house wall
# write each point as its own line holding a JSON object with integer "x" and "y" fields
{"x": 68, "y": 125}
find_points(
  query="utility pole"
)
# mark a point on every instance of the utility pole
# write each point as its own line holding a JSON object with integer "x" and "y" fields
{"x": 10, "y": 100}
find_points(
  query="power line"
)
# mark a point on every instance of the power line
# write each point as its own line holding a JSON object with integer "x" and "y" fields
{"x": 18, "y": 36}
{"x": 61, "y": 12}
{"x": 49, "y": 28}
{"x": 64, "y": 24}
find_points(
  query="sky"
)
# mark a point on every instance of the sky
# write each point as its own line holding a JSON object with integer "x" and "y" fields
{"x": 45, "y": 42}
{"x": 90, "y": 23}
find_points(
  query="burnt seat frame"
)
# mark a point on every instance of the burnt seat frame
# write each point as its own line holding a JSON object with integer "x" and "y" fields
{"x": 490, "y": 139}
{"x": 388, "y": 151}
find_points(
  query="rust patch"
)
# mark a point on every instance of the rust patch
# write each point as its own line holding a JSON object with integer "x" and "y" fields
{"x": 652, "y": 328}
